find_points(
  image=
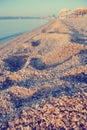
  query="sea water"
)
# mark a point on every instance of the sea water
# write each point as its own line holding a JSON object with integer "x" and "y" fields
{"x": 11, "y": 28}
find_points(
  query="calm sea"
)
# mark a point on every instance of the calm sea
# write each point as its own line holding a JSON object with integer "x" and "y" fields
{"x": 10, "y": 29}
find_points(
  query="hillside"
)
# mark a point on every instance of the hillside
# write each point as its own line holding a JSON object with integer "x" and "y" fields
{"x": 43, "y": 78}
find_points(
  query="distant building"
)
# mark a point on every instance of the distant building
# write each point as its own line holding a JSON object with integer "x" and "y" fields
{"x": 67, "y": 13}
{"x": 64, "y": 13}
{"x": 80, "y": 12}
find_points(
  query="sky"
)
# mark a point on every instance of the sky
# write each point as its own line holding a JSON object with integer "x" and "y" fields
{"x": 37, "y": 7}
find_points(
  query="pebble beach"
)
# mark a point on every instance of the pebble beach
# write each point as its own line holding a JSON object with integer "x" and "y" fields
{"x": 43, "y": 78}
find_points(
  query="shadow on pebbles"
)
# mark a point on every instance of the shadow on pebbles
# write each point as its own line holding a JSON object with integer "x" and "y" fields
{"x": 15, "y": 63}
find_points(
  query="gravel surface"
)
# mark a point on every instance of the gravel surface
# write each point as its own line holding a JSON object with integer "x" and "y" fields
{"x": 43, "y": 78}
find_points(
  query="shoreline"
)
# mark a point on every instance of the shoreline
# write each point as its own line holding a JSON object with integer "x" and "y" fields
{"x": 27, "y": 33}
{"x": 43, "y": 76}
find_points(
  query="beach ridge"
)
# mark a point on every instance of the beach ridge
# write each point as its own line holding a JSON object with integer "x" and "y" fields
{"x": 43, "y": 78}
